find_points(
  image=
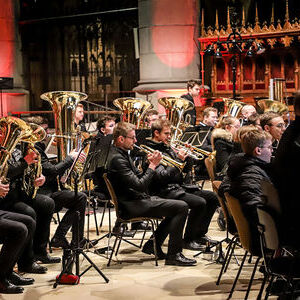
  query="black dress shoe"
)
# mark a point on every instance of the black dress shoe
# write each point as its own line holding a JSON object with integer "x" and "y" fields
{"x": 6, "y": 287}
{"x": 34, "y": 268}
{"x": 179, "y": 259}
{"x": 204, "y": 240}
{"x": 140, "y": 226}
{"x": 59, "y": 242}
{"x": 193, "y": 245}
{"x": 149, "y": 249}
{"x": 47, "y": 259}
{"x": 17, "y": 279}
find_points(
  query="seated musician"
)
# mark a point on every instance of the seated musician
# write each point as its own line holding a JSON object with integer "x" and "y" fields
{"x": 168, "y": 183}
{"x": 39, "y": 209}
{"x": 63, "y": 198}
{"x": 210, "y": 119}
{"x": 247, "y": 111}
{"x": 134, "y": 201}
{"x": 78, "y": 118}
{"x": 274, "y": 124}
{"x": 151, "y": 116}
{"x": 16, "y": 234}
{"x": 244, "y": 175}
{"x": 223, "y": 142}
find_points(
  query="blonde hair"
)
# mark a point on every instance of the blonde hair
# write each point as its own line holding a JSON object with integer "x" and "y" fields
{"x": 225, "y": 120}
{"x": 242, "y": 131}
{"x": 254, "y": 138}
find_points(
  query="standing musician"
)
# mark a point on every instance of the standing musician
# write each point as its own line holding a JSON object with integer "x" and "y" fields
{"x": 193, "y": 88}
{"x": 167, "y": 183}
{"x": 134, "y": 201}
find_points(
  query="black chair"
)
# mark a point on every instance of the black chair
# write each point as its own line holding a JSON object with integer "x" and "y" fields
{"x": 123, "y": 222}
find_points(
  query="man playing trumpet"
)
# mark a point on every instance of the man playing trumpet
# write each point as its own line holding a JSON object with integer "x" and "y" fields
{"x": 131, "y": 188}
{"x": 168, "y": 183}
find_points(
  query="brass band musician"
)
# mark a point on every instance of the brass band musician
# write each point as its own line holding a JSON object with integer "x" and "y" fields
{"x": 168, "y": 183}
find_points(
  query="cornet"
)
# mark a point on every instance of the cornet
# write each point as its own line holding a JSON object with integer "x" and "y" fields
{"x": 166, "y": 160}
{"x": 196, "y": 151}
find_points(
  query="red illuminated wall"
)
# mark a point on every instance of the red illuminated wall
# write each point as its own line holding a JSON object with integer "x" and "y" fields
{"x": 173, "y": 31}
{"x": 6, "y": 38}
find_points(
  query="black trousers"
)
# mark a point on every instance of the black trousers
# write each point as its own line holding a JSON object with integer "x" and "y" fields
{"x": 16, "y": 232}
{"x": 175, "y": 213}
{"x": 67, "y": 199}
{"x": 202, "y": 206}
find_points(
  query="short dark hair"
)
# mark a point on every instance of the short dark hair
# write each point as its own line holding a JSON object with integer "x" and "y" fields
{"x": 253, "y": 118}
{"x": 191, "y": 83}
{"x": 122, "y": 129}
{"x": 159, "y": 125}
{"x": 102, "y": 121}
{"x": 266, "y": 117}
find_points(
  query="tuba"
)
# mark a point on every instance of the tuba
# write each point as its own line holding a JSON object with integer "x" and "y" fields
{"x": 12, "y": 131}
{"x": 133, "y": 110}
{"x": 33, "y": 171}
{"x": 275, "y": 103}
{"x": 68, "y": 138}
{"x": 175, "y": 109}
{"x": 233, "y": 107}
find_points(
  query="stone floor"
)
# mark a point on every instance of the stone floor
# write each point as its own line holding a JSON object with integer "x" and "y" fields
{"x": 135, "y": 276}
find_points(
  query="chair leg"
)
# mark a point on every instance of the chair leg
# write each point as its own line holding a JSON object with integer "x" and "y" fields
{"x": 154, "y": 243}
{"x": 95, "y": 218}
{"x": 237, "y": 275}
{"x": 266, "y": 277}
{"x": 225, "y": 261}
{"x": 103, "y": 213}
{"x": 120, "y": 239}
{"x": 113, "y": 249}
{"x": 251, "y": 279}
{"x": 230, "y": 255}
{"x": 143, "y": 237}
{"x": 269, "y": 287}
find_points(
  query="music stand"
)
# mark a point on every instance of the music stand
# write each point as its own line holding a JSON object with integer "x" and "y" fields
{"x": 72, "y": 254}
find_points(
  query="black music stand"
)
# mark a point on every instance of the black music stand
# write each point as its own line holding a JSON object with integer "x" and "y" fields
{"x": 71, "y": 255}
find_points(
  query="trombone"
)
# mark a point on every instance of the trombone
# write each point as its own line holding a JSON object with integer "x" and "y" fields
{"x": 166, "y": 160}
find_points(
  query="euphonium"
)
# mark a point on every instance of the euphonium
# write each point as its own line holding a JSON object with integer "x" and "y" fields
{"x": 233, "y": 107}
{"x": 34, "y": 170}
{"x": 175, "y": 109}
{"x": 166, "y": 160}
{"x": 12, "y": 130}
{"x": 133, "y": 110}
{"x": 64, "y": 105}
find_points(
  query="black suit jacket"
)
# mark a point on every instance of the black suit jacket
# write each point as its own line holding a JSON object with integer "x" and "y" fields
{"x": 130, "y": 185}
{"x": 191, "y": 112}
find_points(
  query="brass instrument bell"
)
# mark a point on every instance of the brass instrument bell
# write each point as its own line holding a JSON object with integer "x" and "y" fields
{"x": 133, "y": 109}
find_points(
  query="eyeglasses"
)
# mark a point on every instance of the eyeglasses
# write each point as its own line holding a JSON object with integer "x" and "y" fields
{"x": 280, "y": 125}
{"x": 131, "y": 137}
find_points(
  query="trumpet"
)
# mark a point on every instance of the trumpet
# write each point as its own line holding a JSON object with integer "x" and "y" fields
{"x": 166, "y": 160}
{"x": 177, "y": 145}
{"x": 196, "y": 151}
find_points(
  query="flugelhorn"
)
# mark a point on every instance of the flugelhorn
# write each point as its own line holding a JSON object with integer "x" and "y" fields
{"x": 178, "y": 144}
{"x": 166, "y": 160}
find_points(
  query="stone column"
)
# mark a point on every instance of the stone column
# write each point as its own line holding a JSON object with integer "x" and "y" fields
{"x": 168, "y": 32}
{"x": 15, "y": 99}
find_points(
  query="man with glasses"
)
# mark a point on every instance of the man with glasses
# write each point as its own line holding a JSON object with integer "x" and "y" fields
{"x": 134, "y": 201}
{"x": 274, "y": 124}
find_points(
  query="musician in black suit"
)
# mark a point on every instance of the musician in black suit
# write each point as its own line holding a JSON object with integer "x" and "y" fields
{"x": 193, "y": 88}
{"x": 134, "y": 201}
{"x": 168, "y": 183}
{"x": 78, "y": 118}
